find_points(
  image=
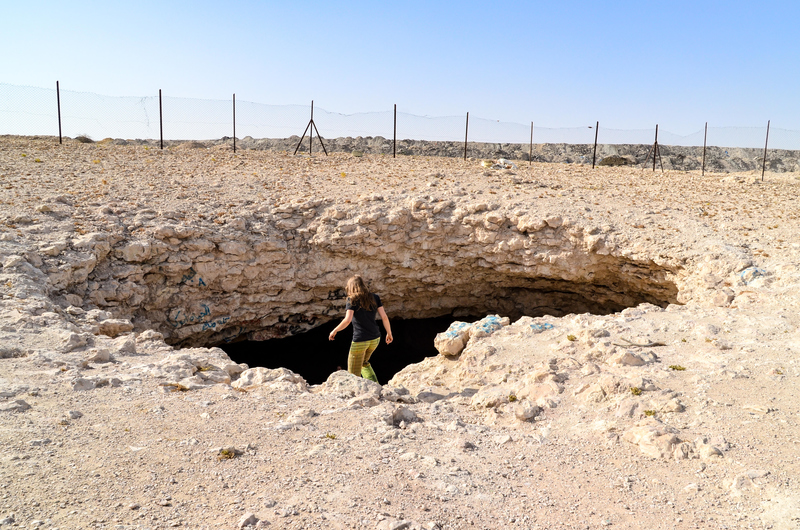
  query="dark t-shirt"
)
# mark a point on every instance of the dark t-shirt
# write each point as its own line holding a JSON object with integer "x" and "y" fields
{"x": 364, "y": 326}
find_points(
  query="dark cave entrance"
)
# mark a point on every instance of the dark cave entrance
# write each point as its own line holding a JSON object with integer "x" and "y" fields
{"x": 313, "y": 356}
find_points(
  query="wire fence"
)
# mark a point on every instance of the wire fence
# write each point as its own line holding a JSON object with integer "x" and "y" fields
{"x": 30, "y": 111}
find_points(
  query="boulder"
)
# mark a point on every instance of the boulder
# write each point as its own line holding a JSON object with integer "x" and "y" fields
{"x": 490, "y": 396}
{"x": 653, "y": 439}
{"x": 98, "y": 355}
{"x": 254, "y": 377}
{"x": 394, "y": 414}
{"x": 526, "y": 411}
{"x": 73, "y": 341}
{"x": 114, "y": 326}
{"x": 452, "y": 342}
{"x": 19, "y": 405}
{"x": 626, "y": 358}
{"x": 723, "y": 297}
{"x": 346, "y": 385}
{"x": 246, "y": 520}
{"x": 487, "y": 325}
{"x": 82, "y": 384}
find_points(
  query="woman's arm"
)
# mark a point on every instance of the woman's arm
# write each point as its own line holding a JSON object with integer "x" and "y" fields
{"x": 343, "y": 324}
{"x": 386, "y": 325}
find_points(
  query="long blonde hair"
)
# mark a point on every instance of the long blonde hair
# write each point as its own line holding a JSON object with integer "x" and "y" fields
{"x": 358, "y": 294}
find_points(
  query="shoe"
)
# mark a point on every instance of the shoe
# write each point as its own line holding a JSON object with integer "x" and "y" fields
{"x": 368, "y": 373}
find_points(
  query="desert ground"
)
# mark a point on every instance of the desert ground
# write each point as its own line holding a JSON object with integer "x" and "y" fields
{"x": 647, "y": 376}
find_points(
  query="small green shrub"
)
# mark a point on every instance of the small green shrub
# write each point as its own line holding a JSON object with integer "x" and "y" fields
{"x": 226, "y": 454}
{"x": 677, "y": 367}
{"x": 512, "y": 398}
{"x": 636, "y": 391}
{"x": 330, "y": 436}
{"x": 572, "y": 338}
{"x": 614, "y": 160}
{"x": 649, "y": 413}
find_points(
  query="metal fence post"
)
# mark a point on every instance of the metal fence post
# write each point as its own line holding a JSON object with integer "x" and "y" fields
{"x": 764, "y": 165}
{"x": 594, "y": 154}
{"x": 530, "y": 149}
{"x": 160, "y": 119}
{"x": 58, "y": 102}
{"x": 394, "y": 142}
{"x": 655, "y": 148}
{"x": 705, "y": 139}
{"x": 234, "y": 122}
{"x": 466, "y": 135}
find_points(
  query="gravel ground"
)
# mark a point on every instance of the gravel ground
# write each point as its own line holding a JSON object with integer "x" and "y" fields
{"x": 136, "y": 454}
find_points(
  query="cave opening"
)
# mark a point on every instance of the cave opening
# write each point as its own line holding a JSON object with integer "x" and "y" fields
{"x": 314, "y": 357}
{"x": 305, "y": 349}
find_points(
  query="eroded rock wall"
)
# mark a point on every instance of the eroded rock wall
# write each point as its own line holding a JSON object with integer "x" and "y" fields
{"x": 276, "y": 271}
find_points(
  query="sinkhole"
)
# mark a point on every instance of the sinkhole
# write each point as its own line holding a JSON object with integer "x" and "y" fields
{"x": 314, "y": 357}
{"x": 308, "y": 352}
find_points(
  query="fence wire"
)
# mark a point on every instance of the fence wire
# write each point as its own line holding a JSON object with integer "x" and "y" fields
{"x": 31, "y": 111}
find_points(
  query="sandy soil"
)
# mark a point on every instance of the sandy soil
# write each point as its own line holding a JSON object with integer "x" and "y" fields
{"x": 137, "y": 455}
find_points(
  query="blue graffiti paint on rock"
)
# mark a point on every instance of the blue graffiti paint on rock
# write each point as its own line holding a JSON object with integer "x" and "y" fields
{"x": 189, "y": 277}
{"x": 455, "y": 329}
{"x": 750, "y": 274}
{"x": 489, "y": 324}
{"x": 542, "y": 327}
{"x": 215, "y": 323}
{"x": 178, "y": 321}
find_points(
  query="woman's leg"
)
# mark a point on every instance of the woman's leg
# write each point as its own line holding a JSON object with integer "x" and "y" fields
{"x": 371, "y": 346}
{"x": 366, "y": 370}
{"x": 355, "y": 360}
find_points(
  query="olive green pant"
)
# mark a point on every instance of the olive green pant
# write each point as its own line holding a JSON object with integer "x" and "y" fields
{"x": 358, "y": 360}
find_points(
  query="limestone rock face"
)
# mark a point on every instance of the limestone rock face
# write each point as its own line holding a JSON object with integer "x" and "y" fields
{"x": 136, "y": 251}
{"x": 279, "y": 270}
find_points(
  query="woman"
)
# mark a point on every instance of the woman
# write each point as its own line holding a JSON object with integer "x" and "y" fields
{"x": 361, "y": 309}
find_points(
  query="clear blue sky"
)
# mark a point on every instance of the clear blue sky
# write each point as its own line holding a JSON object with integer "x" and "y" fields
{"x": 628, "y": 64}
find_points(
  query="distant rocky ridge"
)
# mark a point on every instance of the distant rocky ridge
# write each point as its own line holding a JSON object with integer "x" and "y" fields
{"x": 718, "y": 159}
